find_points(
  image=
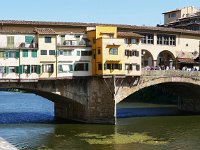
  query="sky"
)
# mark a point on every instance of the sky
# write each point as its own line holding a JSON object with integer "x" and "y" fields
{"x": 131, "y": 12}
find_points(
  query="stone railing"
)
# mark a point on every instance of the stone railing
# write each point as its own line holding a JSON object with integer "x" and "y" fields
{"x": 171, "y": 73}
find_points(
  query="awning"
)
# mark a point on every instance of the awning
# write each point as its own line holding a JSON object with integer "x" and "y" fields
{"x": 186, "y": 60}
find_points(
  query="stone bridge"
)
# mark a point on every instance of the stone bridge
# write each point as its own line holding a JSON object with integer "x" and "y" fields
{"x": 94, "y": 99}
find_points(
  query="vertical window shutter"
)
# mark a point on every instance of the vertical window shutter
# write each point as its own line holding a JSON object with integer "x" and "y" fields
{"x": 86, "y": 66}
{"x": 20, "y": 69}
{"x": 17, "y": 54}
{"x": 29, "y": 69}
{"x": 6, "y": 69}
{"x": 52, "y": 68}
{"x": 137, "y": 53}
{"x": 17, "y": 69}
{"x": 120, "y": 66}
{"x": 71, "y": 67}
{"x": 38, "y": 69}
{"x": 105, "y": 66}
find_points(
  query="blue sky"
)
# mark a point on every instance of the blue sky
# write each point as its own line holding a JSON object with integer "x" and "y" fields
{"x": 133, "y": 12}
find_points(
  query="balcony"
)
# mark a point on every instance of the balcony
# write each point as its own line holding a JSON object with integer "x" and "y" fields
{"x": 18, "y": 45}
{"x": 75, "y": 43}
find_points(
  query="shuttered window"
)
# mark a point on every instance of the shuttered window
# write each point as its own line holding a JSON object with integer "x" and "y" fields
{"x": 34, "y": 53}
{"x": 10, "y": 41}
{"x": 25, "y": 53}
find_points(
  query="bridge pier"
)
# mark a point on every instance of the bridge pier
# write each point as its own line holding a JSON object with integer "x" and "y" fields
{"x": 92, "y": 100}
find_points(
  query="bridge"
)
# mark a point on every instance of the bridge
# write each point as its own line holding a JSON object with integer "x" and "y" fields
{"x": 93, "y": 99}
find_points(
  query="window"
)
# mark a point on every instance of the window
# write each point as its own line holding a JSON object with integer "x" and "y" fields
{"x": 128, "y": 66}
{"x": 112, "y": 66}
{"x": 43, "y": 52}
{"x": 126, "y": 41}
{"x": 166, "y": 39}
{"x": 34, "y": 53}
{"x": 99, "y": 51}
{"x": 34, "y": 68}
{"x": 67, "y": 52}
{"x": 133, "y": 41}
{"x": 11, "y": 54}
{"x": 25, "y": 53}
{"x": 52, "y": 52}
{"x": 131, "y": 53}
{"x": 86, "y": 53}
{"x": 81, "y": 67}
{"x": 12, "y": 69}
{"x": 47, "y": 39}
{"x": 10, "y": 41}
{"x": 47, "y": 68}
{"x": 172, "y": 15}
{"x": 147, "y": 39}
{"x": 113, "y": 51}
{"x": 99, "y": 66}
{"x": 64, "y": 68}
{"x": 78, "y": 53}
{"x": 26, "y": 69}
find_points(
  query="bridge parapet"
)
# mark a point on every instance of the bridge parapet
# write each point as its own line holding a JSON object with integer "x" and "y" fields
{"x": 172, "y": 73}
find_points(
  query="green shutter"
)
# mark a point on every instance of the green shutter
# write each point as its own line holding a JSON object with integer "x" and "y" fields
{"x": 28, "y": 39}
{"x": 17, "y": 54}
{"x": 70, "y": 67}
{"x": 34, "y": 53}
{"x": 25, "y": 53}
{"x": 38, "y": 69}
{"x": 17, "y": 69}
{"x": 6, "y": 69}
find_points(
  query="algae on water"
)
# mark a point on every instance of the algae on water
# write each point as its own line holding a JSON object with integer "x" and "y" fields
{"x": 121, "y": 139}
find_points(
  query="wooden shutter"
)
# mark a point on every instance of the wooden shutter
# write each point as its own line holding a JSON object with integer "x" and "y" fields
{"x": 38, "y": 69}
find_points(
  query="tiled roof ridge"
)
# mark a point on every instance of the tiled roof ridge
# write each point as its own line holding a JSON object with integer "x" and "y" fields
{"x": 121, "y": 26}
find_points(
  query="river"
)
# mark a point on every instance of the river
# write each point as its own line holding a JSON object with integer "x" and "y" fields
{"x": 27, "y": 122}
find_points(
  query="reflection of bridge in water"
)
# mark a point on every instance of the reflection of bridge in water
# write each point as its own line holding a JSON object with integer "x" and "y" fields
{"x": 94, "y": 99}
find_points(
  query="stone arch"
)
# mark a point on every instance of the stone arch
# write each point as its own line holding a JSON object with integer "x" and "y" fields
{"x": 147, "y": 58}
{"x": 124, "y": 92}
{"x": 166, "y": 58}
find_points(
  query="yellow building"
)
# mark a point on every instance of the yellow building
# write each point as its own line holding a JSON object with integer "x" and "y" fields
{"x": 107, "y": 51}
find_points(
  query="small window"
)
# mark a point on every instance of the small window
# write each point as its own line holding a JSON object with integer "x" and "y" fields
{"x": 43, "y": 52}
{"x": 78, "y": 53}
{"x": 47, "y": 39}
{"x": 52, "y": 52}
{"x": 99, "y": 51}
{"x": 113, "y": 51}
{"x": 99, "y": 66}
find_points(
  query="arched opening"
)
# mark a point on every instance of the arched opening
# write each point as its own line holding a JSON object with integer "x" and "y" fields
{"x": 147, "y": 59}
{"x": 166, "y": 60}
{"x": 168, "y": 98}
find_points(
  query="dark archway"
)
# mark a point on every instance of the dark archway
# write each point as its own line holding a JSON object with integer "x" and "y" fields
{"x": 147, "y": 59}
{"x": 166, "y": 59}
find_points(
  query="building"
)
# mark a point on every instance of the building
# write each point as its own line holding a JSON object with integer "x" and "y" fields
{"x": 50, "y": 50}
{"x": 185, "y": 18}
